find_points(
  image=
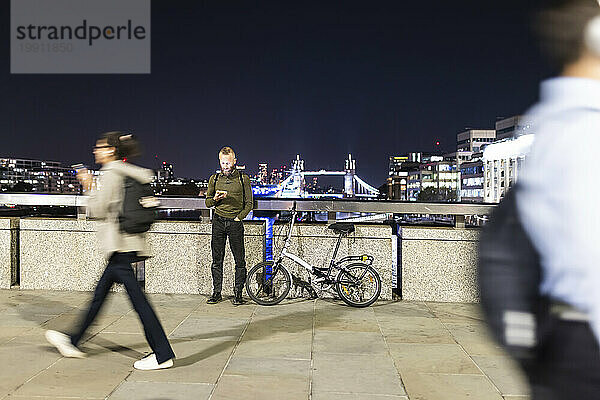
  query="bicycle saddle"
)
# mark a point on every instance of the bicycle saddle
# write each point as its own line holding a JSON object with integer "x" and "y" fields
{"x": 342, "y": 227}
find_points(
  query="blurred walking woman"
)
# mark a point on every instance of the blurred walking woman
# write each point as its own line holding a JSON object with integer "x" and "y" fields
{"x": 119, "y": 248}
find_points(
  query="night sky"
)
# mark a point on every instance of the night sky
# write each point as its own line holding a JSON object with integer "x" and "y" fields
{"x": 273, "y": 79}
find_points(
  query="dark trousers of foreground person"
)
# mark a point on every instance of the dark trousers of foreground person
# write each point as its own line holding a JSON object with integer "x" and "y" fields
{"x": 568, "y": 364}
{"x": 221, "y": 229}
{"x": 119, "y": 270}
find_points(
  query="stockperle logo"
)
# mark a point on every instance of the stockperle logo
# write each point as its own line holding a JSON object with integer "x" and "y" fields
{"x": 80, "y": 36}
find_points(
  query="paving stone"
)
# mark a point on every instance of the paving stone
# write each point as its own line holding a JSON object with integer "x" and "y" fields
{"x": 427, "y": 386}
{"x": 212, "y": 328}
{"x": 349, "y": 343}
{"x": 433, "y": 358}
{"x": 244, "y": 387}
{"x": 415, "y": 330}
{"x": 504, "y": 373}
{"x": 353, "y": 373}
{"x": 161, "y": 391}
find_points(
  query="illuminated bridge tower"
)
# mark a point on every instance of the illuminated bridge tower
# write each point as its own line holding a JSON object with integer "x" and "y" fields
{"x": 349, "y": 178}
{"x": 298, "y": 173}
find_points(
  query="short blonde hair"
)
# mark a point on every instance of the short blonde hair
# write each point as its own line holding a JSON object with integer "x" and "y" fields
{"x": 227, "y": 151}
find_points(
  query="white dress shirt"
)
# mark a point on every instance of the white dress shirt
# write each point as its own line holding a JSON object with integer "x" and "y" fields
{"x": 560, "y": 201}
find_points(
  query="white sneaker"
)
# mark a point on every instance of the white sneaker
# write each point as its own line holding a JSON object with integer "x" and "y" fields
{"x": 149, "y": 362}
{"x": 63, "y": 343}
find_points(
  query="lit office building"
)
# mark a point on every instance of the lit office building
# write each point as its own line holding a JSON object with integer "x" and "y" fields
{"x": 399, "y": 168}
{"x": 439, "y": 173}
{"x": 37, "y": 176}
{"x": 502, "y": 163}
{"x": 165, "y": 173}
{"x": 508, "y": 128}
{"x": 473, "y": 140}
{"x": 472, "y": 181}
{"x": 263, "y": 174}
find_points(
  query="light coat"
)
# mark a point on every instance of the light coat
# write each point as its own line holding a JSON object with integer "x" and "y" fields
{"x": 105, "y": 204}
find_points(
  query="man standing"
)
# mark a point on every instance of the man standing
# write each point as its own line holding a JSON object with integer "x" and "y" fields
{"x": 231, "y": 194}
{"x": 563, "y": 224}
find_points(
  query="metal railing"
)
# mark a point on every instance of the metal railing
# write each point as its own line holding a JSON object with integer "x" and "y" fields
{"x": 460, "y": 210}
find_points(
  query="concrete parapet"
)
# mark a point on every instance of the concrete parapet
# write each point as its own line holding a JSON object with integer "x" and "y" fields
{"x": 62, "y": 254}
{"x": 182, "y": 257}
{"x": 59, "y": 254}
{"x": 439, "y": 264}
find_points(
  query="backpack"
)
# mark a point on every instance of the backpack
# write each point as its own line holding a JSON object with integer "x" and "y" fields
{"x": 139, "y": 207}
{"x": 509, "y": 273}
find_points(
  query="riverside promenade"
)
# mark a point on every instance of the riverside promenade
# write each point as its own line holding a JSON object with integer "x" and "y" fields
{"x": 301, "y": 349}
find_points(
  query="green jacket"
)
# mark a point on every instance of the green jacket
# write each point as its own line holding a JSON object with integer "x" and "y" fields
{"x": 233, "y": 205}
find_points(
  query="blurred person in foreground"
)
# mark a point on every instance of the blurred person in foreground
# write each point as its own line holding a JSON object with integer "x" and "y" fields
{"x": 119, "y": 248}
{"x": 556, "y": 203}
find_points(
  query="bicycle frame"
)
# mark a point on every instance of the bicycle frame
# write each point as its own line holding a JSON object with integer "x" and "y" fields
{"x": 285, "y": 254}
{"x": 309, "y": 267}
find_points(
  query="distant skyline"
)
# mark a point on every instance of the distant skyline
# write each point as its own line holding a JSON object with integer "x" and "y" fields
{"x": 274, "y": 79}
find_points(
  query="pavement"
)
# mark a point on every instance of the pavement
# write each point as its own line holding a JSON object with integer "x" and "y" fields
{"x": 300, "y": 349}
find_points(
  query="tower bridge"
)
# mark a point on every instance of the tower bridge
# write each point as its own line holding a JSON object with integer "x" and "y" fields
{"x": 295, "y": 184}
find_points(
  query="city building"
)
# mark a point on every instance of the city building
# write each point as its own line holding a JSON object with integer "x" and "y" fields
{"x": 502, "y": 162}
{"x": 263, "y": 174}
{"x": 442, "y": 175}
{"x": 275, "y": 177}
{"x": 278, "y": 175}
{"x": 459, "y": 156}
{"x": 37, "y": 176}
{"x": 472, "y": 140}
{"x": 507, "y": 128}
{"x": 399, "y": 168}
{"x": 165, "y": 173}
{"x": 472, "y": 180}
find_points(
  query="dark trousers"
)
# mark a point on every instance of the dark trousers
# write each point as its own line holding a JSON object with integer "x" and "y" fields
{"x": 119, "y": 270}
{"x": 568, "y": 363}
{"x": 221, "y": 229}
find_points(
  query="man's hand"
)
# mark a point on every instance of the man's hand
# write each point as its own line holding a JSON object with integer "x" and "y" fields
{"x": 220, "y": 195}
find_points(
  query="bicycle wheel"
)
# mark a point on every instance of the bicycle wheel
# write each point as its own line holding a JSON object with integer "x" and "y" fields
{"x": 358, "y": 285}
{"x": 268, "y": 283}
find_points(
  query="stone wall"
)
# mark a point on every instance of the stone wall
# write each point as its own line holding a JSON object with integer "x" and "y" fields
{"x": 62, "y": 254}
{"x": 439, "y": 264}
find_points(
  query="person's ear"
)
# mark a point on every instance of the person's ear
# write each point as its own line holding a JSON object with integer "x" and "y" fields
{"x": 592, "y": 36}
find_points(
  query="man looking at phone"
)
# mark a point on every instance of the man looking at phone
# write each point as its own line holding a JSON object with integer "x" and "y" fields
{"x": 231, "y": 194}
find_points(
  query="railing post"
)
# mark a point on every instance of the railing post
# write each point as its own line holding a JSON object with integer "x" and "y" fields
{"x": 81, "y": 213}
{"x": 331, "y": 216}
{"x": 15, "y": 250}
{"x": 205, "y": 216}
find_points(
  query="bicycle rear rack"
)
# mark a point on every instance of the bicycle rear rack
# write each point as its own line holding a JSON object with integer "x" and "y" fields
{"x": 365, "y": 258}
